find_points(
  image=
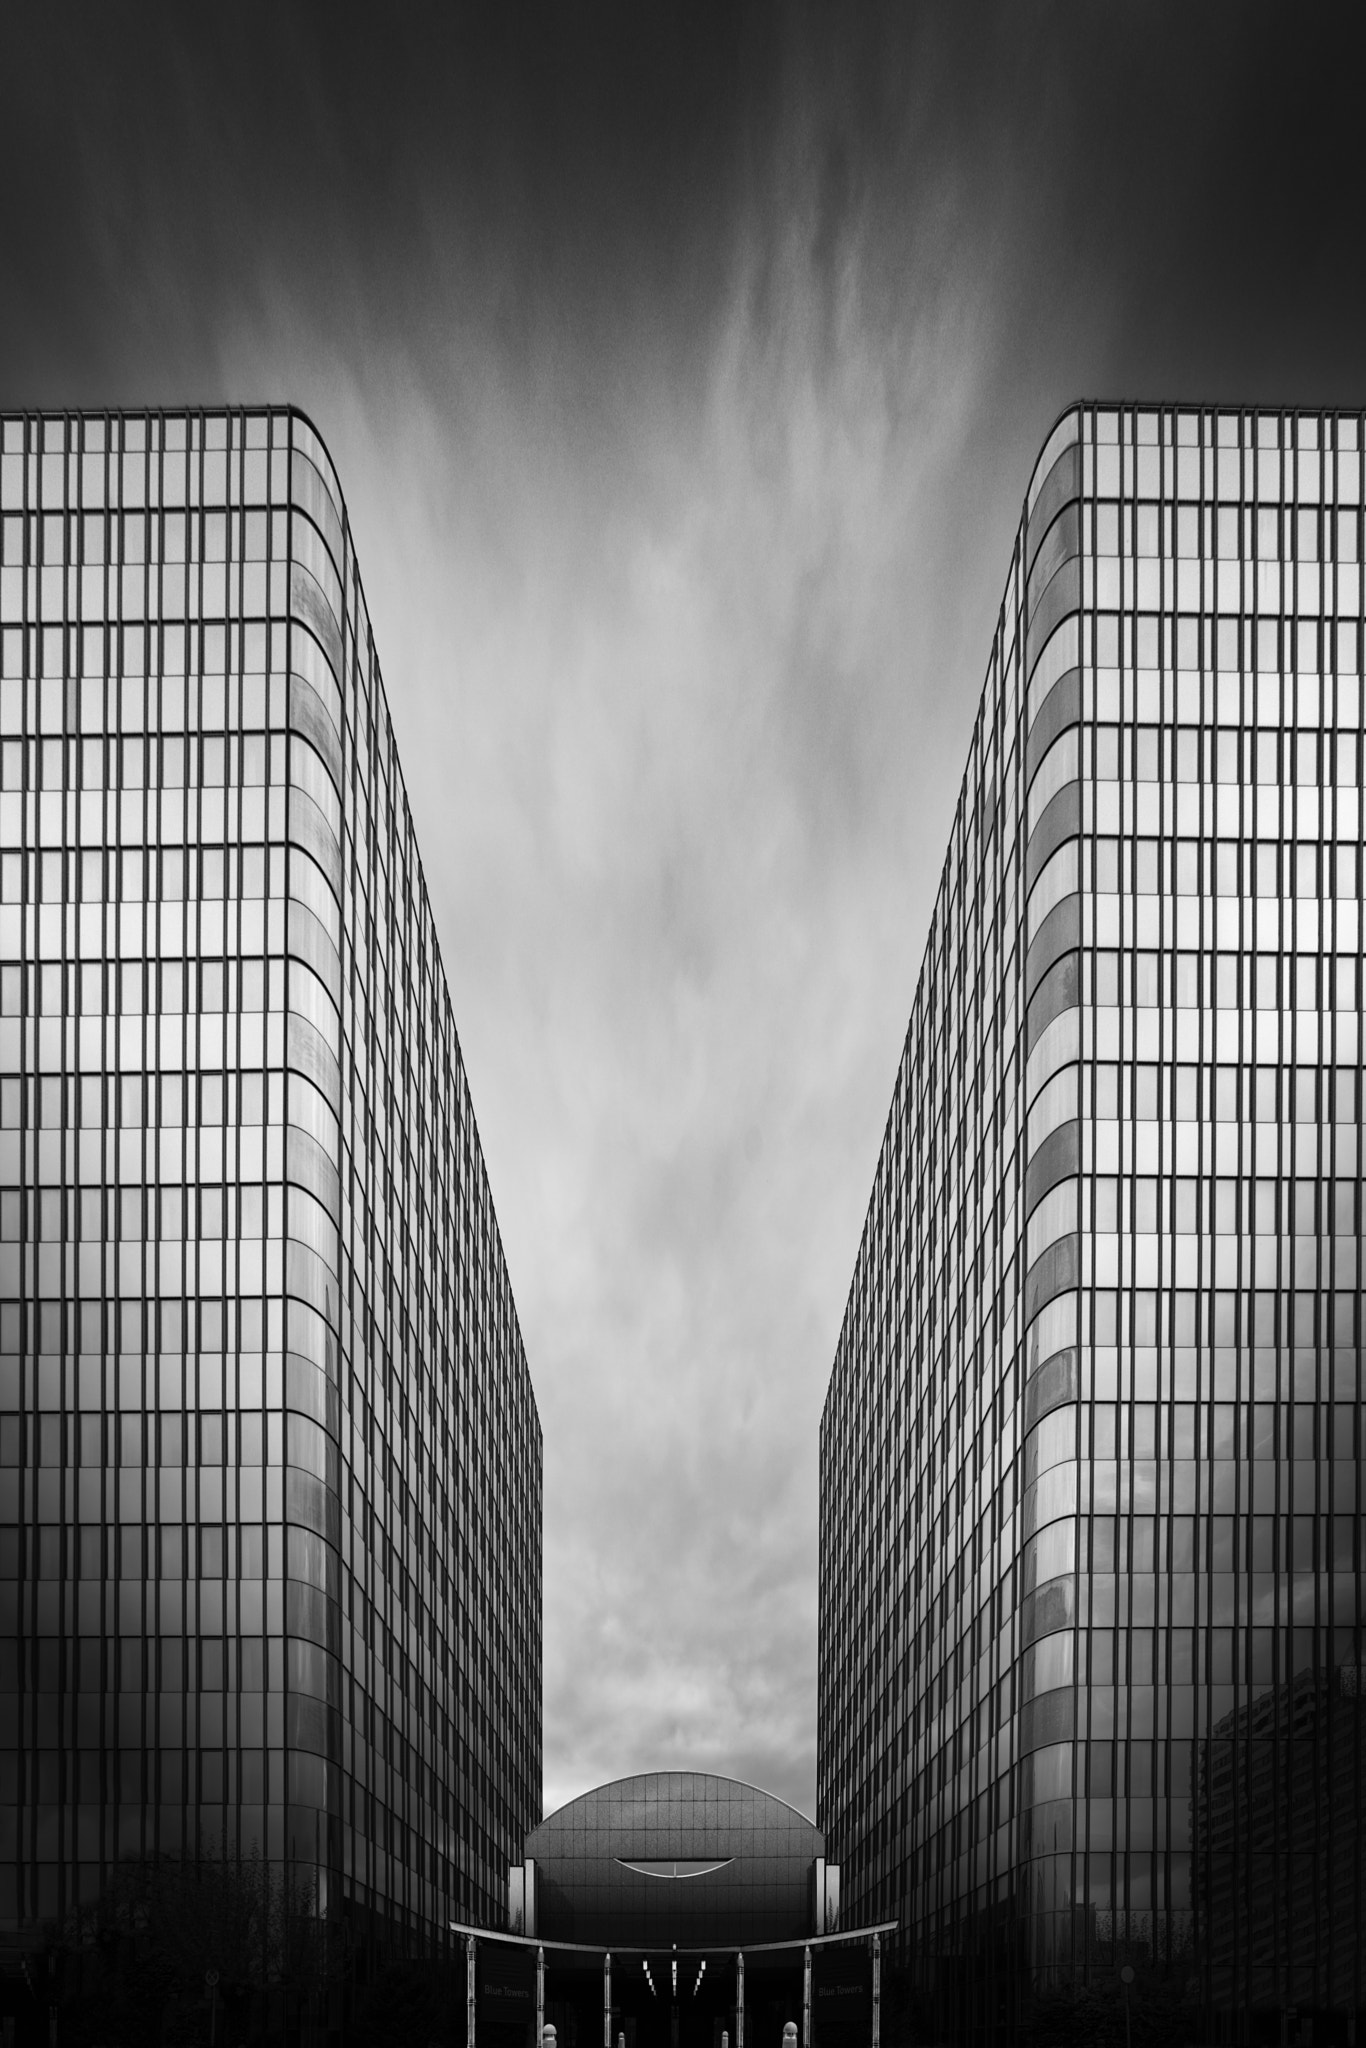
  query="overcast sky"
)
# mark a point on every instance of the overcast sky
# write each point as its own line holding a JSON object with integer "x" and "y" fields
{"x": 684, "y": 368}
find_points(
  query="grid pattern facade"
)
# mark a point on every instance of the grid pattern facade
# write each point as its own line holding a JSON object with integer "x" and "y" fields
{"x": 762, "y": 1891}
{"x": 1090, "y": 1519}
{"x": 270, "y": 1461}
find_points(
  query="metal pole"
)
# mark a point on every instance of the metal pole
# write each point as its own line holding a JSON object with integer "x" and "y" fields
{"x": 877, "y": 1990}
{"x": 469, "y": 1991}
{"x": 806, "y": 1996}
{"x": 607, "y": 2000}
{"x": 540, "y": 1995}
{"x": 740, "y": 1999}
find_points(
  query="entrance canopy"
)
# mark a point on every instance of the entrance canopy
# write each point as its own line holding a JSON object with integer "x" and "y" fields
{"x": 674, "y": 1997}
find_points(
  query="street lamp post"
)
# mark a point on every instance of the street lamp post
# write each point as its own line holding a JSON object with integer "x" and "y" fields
{"x": 469, "y": 1991}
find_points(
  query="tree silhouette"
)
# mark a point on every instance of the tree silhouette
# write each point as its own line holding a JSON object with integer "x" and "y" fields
{"x": 172, "y": 1951}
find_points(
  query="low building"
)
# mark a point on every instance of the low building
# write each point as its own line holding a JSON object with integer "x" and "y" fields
{"x": 677, "y": 1910}
{"x": 676, "y": 1858}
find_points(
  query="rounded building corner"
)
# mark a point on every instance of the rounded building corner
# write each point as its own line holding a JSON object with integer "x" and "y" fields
{"x": 300, "y": 417}
{"x": 307, "y": 438}
{"x": 1064, "y": 433}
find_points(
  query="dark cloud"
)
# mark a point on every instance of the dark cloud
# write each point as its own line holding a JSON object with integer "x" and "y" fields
{"x": 684, "y": 367}
{"x": 411, "y": 171}
{"x": 570, "y": 179}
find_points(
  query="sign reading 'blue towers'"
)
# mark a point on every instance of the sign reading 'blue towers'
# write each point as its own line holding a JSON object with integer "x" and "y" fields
{"x": 1090, "y": 1628}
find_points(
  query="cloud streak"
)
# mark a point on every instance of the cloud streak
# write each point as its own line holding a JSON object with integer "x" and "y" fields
{"x": 713, "y": 665}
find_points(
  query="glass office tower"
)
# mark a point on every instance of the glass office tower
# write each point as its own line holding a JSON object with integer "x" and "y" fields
{"x": 1090, "y": 1645}
{"x": 270, "y": 1462}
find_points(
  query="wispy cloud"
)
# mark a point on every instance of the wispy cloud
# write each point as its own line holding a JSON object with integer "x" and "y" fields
{"x": 658, "y": 723}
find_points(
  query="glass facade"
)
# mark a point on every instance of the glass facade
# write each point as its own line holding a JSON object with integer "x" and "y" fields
{"x": 270, "y": 1461}
{"x": 1090, "y": 1645}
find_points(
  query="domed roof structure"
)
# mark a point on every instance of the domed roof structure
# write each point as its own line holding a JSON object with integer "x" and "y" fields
{"x": 674, "y": 1857}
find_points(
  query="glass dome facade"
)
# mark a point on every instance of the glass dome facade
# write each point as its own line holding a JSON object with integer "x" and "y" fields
{"x": 674, "y": 1857}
